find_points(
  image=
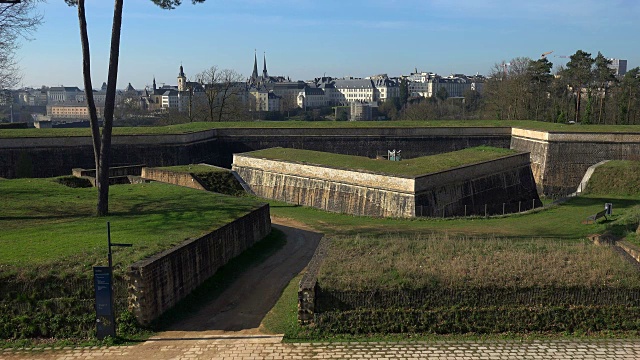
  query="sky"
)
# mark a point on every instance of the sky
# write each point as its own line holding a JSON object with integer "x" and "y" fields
{"x": 304, "y": 39}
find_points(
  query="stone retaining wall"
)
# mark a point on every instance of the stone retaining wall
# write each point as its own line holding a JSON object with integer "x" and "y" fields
{"x": 560, "y": 160}
{"x": 47, "y": 156}
{"x": 172, "y": 177}
{"x": 158, "y": 283}
{"x": 507, "y": 179}
{"x": 496, "y": 185}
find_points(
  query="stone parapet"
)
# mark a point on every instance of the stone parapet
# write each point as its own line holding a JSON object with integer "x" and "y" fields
{"x": 443, "y": 194}
{"x": 349, "y": 177}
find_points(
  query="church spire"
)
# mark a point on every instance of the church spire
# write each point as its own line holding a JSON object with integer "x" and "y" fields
{"x": 254, "y": 76}
{"x": 154, "y": 83}
{"x": 265, "y": 74}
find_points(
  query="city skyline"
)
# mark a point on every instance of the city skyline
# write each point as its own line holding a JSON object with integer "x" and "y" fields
{"x": 305, "y": 39}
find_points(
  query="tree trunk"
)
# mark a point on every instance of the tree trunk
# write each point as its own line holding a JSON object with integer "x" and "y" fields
{"x": 109, "y": 106}
{"x": 224, "y": 97}
{"x": 578, "y": 98}
{"x": 88, "y": 88}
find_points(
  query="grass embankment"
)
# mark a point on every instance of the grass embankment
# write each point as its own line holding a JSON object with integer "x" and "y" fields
{"x": 400, "y": 262}
{"x": 619, "y": 178}
{"x": 51, "y": 241}
{"x": 410, "y": 167}
{"x": 45, "y": 224}
{"x": 557, "y": 226}
{"x": 202, "y": 126}
{"x": 558, "y": 222}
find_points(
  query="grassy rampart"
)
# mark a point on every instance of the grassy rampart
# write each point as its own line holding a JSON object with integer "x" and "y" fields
{"x": 51, "y": 241}
{"x": 202, "y": 126}
{"x": 410, "y": 167}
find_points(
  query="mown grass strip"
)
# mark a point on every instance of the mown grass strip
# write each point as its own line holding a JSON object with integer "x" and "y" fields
{"x": 559, "y": 221}
{"x": 193, "y": 168}
{"x": 410, "y": 167}
{"x": 202, "y": 126}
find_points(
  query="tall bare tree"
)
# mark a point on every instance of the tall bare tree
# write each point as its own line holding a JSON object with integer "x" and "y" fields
{"x": 222, "y": 88}
{"x": 18, "y": 20}
{"x": 102, "y": 142}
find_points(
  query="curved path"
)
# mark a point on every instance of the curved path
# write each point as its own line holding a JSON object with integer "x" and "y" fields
{"x": 242, "y": 306}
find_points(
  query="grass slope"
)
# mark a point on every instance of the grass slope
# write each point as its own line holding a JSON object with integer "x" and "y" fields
{"x": 616, "y": 177}
{"x": 410, "y": 167}
{"x": 202, "y": 126}
{"x": 47, "y": 224}
{"x": 560, "y": 222}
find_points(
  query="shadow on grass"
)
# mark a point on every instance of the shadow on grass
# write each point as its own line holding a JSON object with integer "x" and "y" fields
{"x": 222, "y": 279}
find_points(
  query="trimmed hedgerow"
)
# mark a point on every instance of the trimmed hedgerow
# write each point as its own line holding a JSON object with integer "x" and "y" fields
{"x": 489, "y": 320}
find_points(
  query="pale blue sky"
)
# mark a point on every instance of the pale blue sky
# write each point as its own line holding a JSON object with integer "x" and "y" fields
{"x": 308, "y": 38}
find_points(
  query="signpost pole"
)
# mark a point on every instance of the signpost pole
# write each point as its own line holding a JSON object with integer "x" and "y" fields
{"x": 103, "y": 285}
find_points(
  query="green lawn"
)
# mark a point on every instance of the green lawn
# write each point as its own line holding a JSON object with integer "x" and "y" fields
{"x": 408, "y": 168}
{"x": 560, "y": 222}
{"x": 201, "y": 126}
{"x": 616, "y": 177}
{"x": 48, "y": 225}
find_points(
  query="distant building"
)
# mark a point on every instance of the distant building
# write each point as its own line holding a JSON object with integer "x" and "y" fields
{"x": 64, "y": 94}
{"x": 426, "y": 85}
{"x": 169, "y": 97}
{"x": 361, "y": 111}
{"x": 72, "y": 110}
{"x": 620, "y": 66}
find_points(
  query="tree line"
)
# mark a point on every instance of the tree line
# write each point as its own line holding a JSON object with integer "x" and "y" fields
{"x": 585, "y": 90}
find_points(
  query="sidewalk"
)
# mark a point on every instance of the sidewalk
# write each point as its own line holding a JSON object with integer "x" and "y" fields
{"x": 270, "y": 347}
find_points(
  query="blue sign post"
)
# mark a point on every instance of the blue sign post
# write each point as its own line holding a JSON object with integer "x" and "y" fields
{"x": 105, "y": 317}
{"x": 103, "y": 286}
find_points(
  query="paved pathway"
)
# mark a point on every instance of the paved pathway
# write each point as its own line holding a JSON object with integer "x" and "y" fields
{"x": 269, "y": 347}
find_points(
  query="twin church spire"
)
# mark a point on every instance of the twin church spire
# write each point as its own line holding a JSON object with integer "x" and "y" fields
{"x": 265, "y": 74}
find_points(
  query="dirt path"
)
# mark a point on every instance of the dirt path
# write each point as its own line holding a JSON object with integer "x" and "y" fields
{"x": 240, "y": 309}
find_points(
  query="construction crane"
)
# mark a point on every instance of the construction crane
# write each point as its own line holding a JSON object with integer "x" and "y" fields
{"x": 544, "y": 55}
{"x": 562, "y": 56}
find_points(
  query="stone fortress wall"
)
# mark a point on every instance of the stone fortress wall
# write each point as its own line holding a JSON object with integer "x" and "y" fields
{"x": 558, "y": 160}
{"x": 507, "y": 179}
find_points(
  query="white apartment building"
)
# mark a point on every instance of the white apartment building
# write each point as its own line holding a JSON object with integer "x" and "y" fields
{"x": 426, "y": 85}
{"x": 64, "y": 93}
{"x": 264, "y": 100}
{"x": 311, "y": 97}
